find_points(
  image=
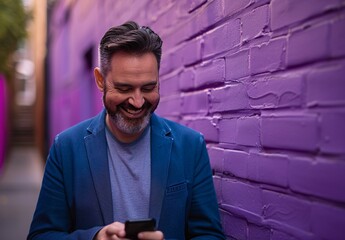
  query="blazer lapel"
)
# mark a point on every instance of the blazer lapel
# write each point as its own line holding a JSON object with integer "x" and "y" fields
{"x": 161, "y": 144}
{"x": 96, "y": 147}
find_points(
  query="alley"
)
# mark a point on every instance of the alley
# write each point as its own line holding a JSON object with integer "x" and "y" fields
{"x": 20, "y": 181}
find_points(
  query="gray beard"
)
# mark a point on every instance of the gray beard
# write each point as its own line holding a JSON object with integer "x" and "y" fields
{"x": 130, "y": 126}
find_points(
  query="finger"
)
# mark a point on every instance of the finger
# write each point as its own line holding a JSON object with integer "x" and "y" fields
{"x": 156, "y": 235}
{"x": 116, "y": 228}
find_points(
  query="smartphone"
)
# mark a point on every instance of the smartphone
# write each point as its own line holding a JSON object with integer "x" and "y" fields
{"x": 133, "y": 227}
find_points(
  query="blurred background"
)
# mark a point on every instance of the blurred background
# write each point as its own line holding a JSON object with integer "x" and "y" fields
{"x": 263, "y": 80}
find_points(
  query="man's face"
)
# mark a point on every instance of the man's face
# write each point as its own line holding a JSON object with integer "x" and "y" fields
{"x": 131, "y": 92}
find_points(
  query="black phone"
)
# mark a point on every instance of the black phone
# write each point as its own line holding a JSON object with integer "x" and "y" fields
{"x": 133, "y": 227}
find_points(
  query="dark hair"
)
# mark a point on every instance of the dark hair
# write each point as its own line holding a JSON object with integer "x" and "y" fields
{"x": 131, "y": 38}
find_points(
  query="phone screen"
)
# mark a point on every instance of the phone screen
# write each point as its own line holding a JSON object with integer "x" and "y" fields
{"x": 133, "y": 227}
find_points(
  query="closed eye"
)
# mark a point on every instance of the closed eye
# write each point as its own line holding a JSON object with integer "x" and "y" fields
{"x": 149, "y": 87}
{"x": 123, "y": 88}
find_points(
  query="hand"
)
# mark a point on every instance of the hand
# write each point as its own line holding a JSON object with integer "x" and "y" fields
{"x": 112, "y": 231}
{"x": 156, "y": 235}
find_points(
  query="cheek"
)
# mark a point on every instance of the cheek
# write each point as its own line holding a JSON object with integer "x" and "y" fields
{"x": 114, "y": 99}
{"x": 153, "y": 98}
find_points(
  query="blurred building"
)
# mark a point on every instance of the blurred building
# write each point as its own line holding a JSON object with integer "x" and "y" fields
{"x": 28, "y": 103}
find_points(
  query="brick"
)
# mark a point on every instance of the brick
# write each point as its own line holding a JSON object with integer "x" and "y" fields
{"x": 328, "y": 221}
{"x": 211, "y": 14}
{"x": 332, "y": 135}
{"x": 277, "y": 235}
{"x": 242, "y": 196}
{"x": 248, "y": 131}
{"x": 192, "y": 5}
{"x": 232, "y": 7}
{"x": 166, "y": 65}
{"x": 210, "y": 72}
{"x": 189, "y": 53}
{"x": 299, "y": 132}
{"x": 258, "y": 232}
{"x": 178, "y": 33}
{"x": 254, "y": 23}
{"x": 216, "y": 158}
{"x": 228, "y": 130}
{"x": 170, "y": 106}
{"x": 169, "y": 85}
{"x": 238, "y": 229}
{"x": 222, "y": 38}
{"x": 308, "y": 45}
{"x": 187, "y": 79}
{"x": 323, "y": 178}
{"x": 287, "y": 12}
{"x": 337, "y": 38}
{"x": 268, "y": 57}
{"x": 237, "y": 65}
{"x": 325, "y": 86}
{"x": 268, "y": 168}
{"x": 195, "y": 103}
{"x": 232, "y": 97}
{"x": 277, "y": 92}
{"x": 235, "y": 163}
{"x": 206, "y": 127}
{"x": 286, "y": 210}
{"x": 202, "y": 20}
{"x": 262, "y": 2}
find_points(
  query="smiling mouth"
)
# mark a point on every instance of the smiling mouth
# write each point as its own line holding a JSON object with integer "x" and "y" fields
{"x": 133, "y": 112}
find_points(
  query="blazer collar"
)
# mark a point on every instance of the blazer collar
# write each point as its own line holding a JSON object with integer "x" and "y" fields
{"x": 97, "y": 152}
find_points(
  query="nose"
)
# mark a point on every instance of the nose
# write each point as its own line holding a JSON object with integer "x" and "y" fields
{"x": 136, "y": 100}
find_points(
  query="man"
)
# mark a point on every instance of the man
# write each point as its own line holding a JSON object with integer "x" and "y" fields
{"x": 127, "y": 163}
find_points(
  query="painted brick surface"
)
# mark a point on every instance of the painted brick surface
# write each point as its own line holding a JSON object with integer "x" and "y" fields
{"x": 325, "y": 86}
{"x": 328, "y": 221}
{"x": 254, "y": 23}
{"x": 235, "y": 163}
{"x": 243, "y": 196}
{"x": 210, "y": 73}
{"x": 308, "y": 45}
{"x": 286, "y": 210}
{"x": 229, "y": 98}
{"x": 337, "y": 34}
{"x": 290, "y": 132}
{"x": 333, "y": 137}
{"x": 277, "y": 91}
{"x": 317, "y": 177}
{"x": 222, "y": 38}
{"x": 287, "y": 12}
{"x": 268, "y": 57}
{"x": 263, "y": 80}
{"x": 268, "y": 168}
{"x": 237, "y": 65}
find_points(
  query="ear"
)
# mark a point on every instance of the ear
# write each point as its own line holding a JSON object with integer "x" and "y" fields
{"x": 99, "y": 79}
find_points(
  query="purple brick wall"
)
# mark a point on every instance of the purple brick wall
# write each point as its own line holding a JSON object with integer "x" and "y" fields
{"x": 263, "y": 80}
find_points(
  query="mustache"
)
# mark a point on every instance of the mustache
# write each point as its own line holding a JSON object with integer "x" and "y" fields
{"x": 129, "y": 106}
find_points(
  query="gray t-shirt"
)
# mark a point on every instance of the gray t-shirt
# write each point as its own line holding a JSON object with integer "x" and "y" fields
{"x": 130, "y": 176}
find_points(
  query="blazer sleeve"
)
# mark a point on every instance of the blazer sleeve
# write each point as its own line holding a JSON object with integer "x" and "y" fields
{"x": 204, "y": 219}
{"x": 53, "y": 219}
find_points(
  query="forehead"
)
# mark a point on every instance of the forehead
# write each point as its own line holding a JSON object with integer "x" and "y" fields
{"x": 132, "y": 63}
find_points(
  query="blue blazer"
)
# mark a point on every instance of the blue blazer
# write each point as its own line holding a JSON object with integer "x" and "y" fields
{"x": 75, "y": 201}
